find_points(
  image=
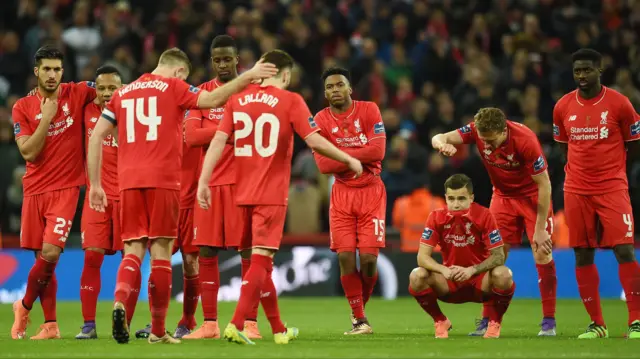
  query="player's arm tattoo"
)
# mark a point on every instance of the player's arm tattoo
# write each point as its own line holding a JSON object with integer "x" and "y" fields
{"x": 496, "y": 258}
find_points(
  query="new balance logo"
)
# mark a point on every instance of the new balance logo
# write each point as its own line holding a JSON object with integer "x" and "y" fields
{"x": 264, "y": 295}
{"x": 245, "y": 282}
{"x": 572, "y": 118}
{"x": 210, "y": 283}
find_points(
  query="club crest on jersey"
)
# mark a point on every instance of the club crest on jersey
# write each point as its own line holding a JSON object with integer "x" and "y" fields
{"x": 356, "y": 123}
{"x": 556, "y": 130}
{"x": 16, "y": 129}
{"x": 635, "y": 128}
{"x": 427, "y": 233}
{"x": 495, "y": 237}
{"x": 193, "y": 89}
{"x": 539, "y": 163}
{"x": 465, "y": 129}
{"x": 312, "y": 122}
{"x": 378, "y": 128}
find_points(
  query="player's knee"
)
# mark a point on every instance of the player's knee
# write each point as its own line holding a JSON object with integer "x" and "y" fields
{"x": 267, "y": 252}
{"x": 161, "y": 249}
{"x": 501, "y": 277}
{"x": 419, "y": 279}
{"x": 347, "y": 262}
{"x": 584, "y": 256}
{"x": 97, "y": 250}
{"x": 50, "y": 252}
{"x": 190, "y": 264}
{"x": 208, "y": 252}
{"x": 368, "y": 264}
{"x": 625, "y": 253}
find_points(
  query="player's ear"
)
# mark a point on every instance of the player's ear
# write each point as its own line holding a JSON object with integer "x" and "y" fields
{"x": 35, "y": 71}
{"x": 472, "y": 197}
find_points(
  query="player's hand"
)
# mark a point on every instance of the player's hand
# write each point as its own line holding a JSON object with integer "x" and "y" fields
{"x": 262, "y": 70}
{"x": 97, "y": 198}
{"x": 447, "y": 149}
{"x": 355, "y": 166}
{"x": 464, "y": 274}
{"x": 204, "y": 196}
{"x": 447, "y": 273}
{"x": 48, "y": 108}
{"x": 542, "y": 242}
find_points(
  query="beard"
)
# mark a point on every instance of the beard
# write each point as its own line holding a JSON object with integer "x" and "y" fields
{"x": 47, "y": 87}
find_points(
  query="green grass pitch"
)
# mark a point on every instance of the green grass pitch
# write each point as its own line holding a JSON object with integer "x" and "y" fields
{"x": 402, "y": 330}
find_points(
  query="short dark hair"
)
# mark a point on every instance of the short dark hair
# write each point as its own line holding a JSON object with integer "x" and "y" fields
{"x": 458, "y": 181}
{"x": 223, "y": 41}
{"x": 49, "y": 53}
{"x": 280, "y": 58}
{"x": 587, "y": 55}
{"x": 107, "y": 69}
{"x": 336, "y": 71}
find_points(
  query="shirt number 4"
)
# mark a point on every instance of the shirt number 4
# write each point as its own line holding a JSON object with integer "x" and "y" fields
{"x": 628, "y": 220}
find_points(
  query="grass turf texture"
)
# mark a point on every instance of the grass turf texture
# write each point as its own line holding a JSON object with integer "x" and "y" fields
{"x": 401, "y": 329}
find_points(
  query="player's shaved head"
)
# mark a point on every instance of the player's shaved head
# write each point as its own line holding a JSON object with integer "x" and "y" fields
{"x": 588, "y": 55}
{"x": 108, "y": 80}
{"x": 490, "y": 120}
{"x": 176, "y": 58}
{"x": 459, "y": 181}
{"x": 224, "y": 41}
{"x": 587, "y": 68}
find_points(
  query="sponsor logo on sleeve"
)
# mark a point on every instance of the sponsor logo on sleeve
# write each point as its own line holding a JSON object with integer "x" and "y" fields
{"x": 556, "y": 130}
{"x": 312, "y": 122}
{"x": 539, "y": 163}
{"x": 495, "y": 237}
{"x": 465, "y": 129}
{"x": 427, "y": 233}
{"x": 193, "y": 89}
{"x": 378, "y": 128}
{"x": 635, "y": 128}
{"x": 91, "y": 84}
{"x": 16, "y": 129}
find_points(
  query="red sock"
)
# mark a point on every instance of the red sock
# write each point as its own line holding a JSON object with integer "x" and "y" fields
{"x": 90, "y": 284}
{"x": 588, "y": 283}
{"x": 48, "y": 300}
{"x": 253, "y": 314}
{"x": 132, "y": 301}
{"x": 486, "y": 309}
{"x": 548, "y": 284}
{"x": 428, "y": 300}
{"x": 368, "y": 283}
{"x": 128, "y": 274}
{"x": 250, "y": 291}
{"x": 38, "y": 278}
{"x": 501, "y": 299}
{"x": 352, "y": 285}
{"x": 190, "y": 301}
{"x": 269, "y": 300}
{"x": 160, "y": 291}
{"x": 630, "y": 279}
{"x": 209, "y": 286}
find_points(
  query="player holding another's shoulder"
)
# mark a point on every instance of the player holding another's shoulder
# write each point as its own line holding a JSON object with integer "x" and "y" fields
{"x": 595, "y": 126}
{"x": 100, "y": 230}
{"x": 521, "y": 199}
{"x": 473, "y": 267}
{"x": 47, "y": 125}
{"x": 357, "y": 211}
{"x": 262, "y": 119}
{"x": 150, "y": 112}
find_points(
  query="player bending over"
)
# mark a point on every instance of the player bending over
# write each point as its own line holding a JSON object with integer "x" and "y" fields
{"x": 357, "y": 211}
{"x": 592, "y": 124}
{"x": 47, "y": 125}
{"x": 473, "y": 267}
{"x": 150, "y": 112}
{"x": 521, "y": 200}
{"x": 100, "y": 230}
{"x": 262, "y": 119}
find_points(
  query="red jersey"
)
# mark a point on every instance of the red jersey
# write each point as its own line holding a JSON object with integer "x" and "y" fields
{"x": 262, "y": 120}
{"x": 60, "y": 164}
{"x": 109, "y": 176}
{"x": 464, "y": 240}
{"x": 225, "y": 171}
{"x": 595, "y": 131}
{"x": 511, "y": 165}
{"x": 150, "y": 113}
{"x": 354, "y": 128}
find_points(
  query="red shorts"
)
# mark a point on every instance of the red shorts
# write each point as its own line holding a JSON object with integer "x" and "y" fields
{"x": 220, "y": 226}
{"x": 47, "y": 218}
{"x": 599, "y": 221}
{"x": 516, "y": 215}
{"x": 149, "y": 213}
{"x": 101, "y": 229}
{"x": 184, "y": 243}
{"x": 263, "y": 226}
{"x": 465, "y": 292}
{"x": 357, "y": 217}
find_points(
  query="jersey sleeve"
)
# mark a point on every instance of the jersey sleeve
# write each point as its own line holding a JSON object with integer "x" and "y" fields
{"x": 490, "y": 232}
{"x": 629, "y": 120}
{"x": 430, "y": 236}
{"x": 375, "y": 126}
{"x": 559, "y": 133}
{"x": 109, "y": 112}
{"x": 186, "y": 95}
{"x": 534, "y": 160}
{"x": 226, "y": 124}
{"x": 468, "y": 133}
{"x": 86, "y": 90}
{"x": 303, "y": 122}
{"x": 21, "y": 125}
